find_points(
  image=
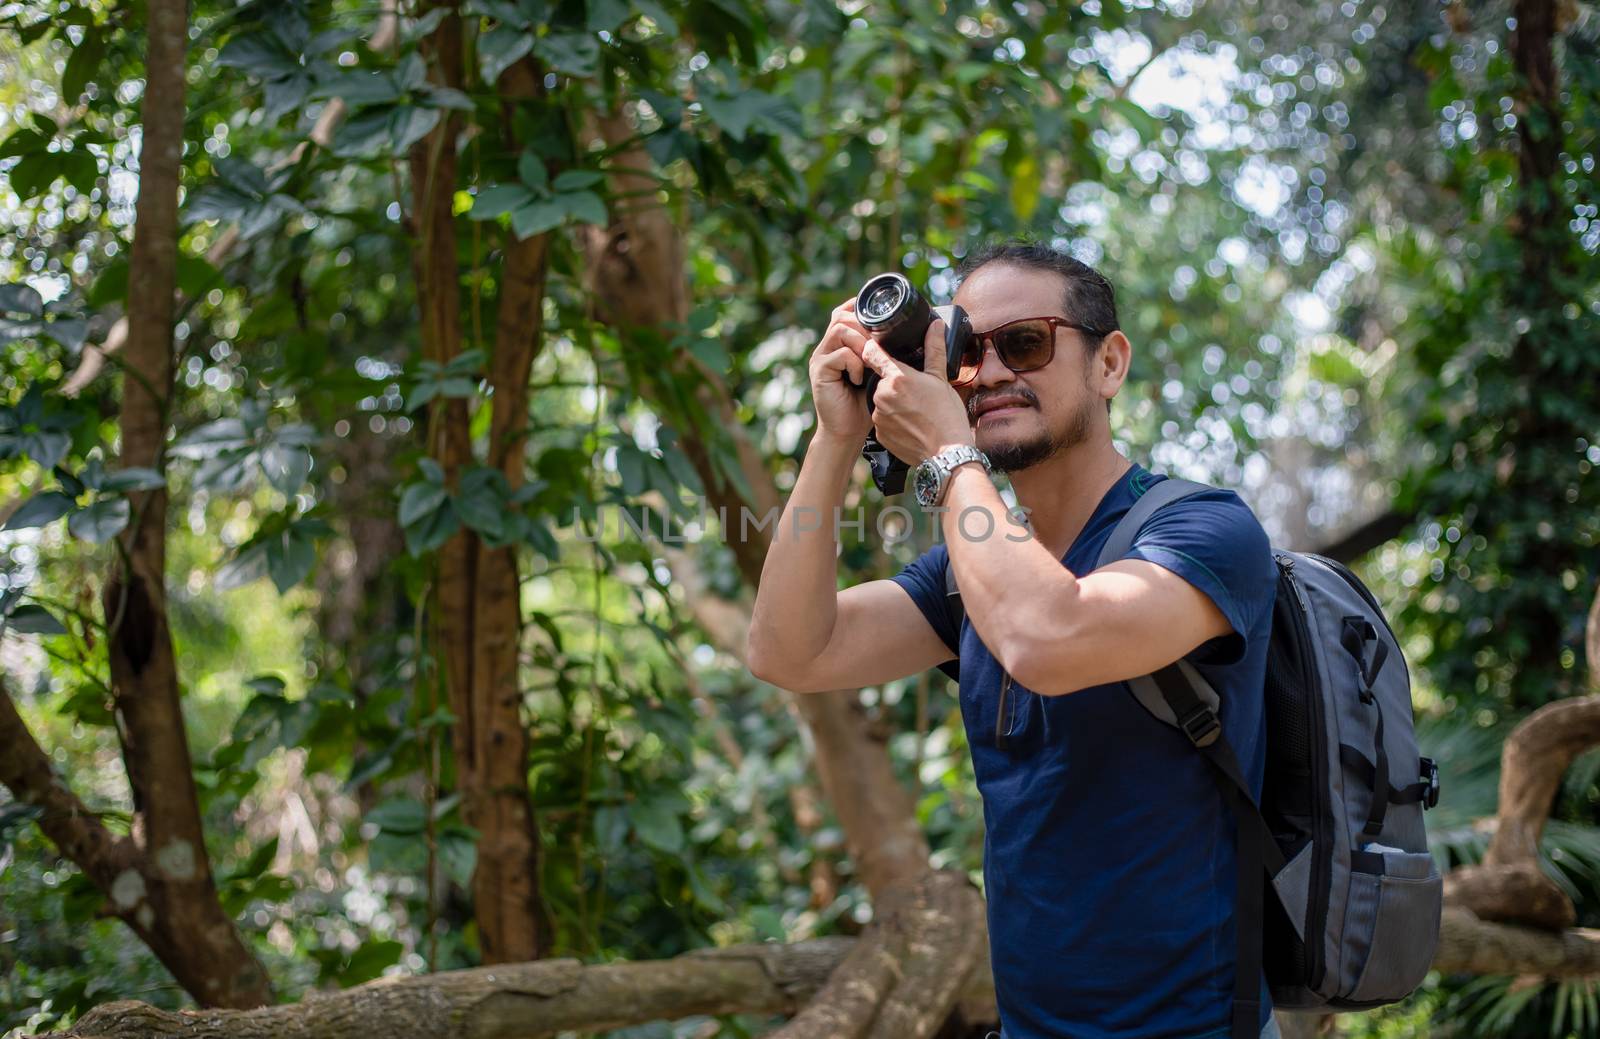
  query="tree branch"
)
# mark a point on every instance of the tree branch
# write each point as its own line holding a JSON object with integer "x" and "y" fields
{"x": 26, "y": 770}
{"x": 1365, "y": 537}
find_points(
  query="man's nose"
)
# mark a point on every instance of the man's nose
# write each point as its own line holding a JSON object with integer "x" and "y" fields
{"x": 991, "y": 370}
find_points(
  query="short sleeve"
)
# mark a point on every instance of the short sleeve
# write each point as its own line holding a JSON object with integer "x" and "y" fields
{"x": 923, "y": 580}
{"x": 1213, "y": 541}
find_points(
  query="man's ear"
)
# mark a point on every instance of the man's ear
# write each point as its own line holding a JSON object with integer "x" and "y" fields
{"x": 1111, "y": 363}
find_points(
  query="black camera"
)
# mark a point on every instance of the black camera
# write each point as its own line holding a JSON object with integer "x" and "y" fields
{"x": 897, "y": 316}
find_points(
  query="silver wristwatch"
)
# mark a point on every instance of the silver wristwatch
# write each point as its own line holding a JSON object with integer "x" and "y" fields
{"x": 932, "y": 475}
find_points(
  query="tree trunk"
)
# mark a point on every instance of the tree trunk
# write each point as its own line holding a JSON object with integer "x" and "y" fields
{"x": 639, "y": 278}
{"x": 168, "y": 894}
{"x": 477, "y": 605}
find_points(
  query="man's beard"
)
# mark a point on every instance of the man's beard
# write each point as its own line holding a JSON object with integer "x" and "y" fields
{"x": 1016, "y": 455}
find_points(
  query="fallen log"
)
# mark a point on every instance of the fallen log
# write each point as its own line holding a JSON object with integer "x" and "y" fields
{"x": 534, "y": 1000}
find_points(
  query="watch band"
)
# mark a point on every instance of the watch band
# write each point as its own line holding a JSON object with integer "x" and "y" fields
{"x": 946, "y": 462}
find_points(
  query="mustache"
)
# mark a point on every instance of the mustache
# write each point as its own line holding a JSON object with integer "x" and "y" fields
{"x": 1021, "y": 392}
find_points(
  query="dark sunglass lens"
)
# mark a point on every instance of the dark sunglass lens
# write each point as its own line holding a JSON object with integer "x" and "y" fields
{"x": 1025, "y": 345}
{"x": 971, "y": 361}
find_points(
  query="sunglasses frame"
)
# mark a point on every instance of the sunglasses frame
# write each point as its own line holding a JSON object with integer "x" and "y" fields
{"x": 986, "y": 339}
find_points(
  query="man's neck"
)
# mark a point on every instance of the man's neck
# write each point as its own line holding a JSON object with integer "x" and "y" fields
{"x": 1062, "y": 492}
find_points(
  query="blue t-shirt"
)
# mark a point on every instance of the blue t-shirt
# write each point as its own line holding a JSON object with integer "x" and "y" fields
{"x": 1108, "y": 850}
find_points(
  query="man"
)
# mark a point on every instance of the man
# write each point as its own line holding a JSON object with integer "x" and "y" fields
{"x": 1109, "y": 852}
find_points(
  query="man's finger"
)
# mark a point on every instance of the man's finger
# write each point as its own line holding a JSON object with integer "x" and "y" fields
{"x": 840, "y": 335}
{"x": 878, "y": 359}
{"x": 845, "y": 360}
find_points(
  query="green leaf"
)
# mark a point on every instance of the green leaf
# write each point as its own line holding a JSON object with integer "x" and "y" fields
{"x": 286, "y": 466}
{"x": 420, "y": 501}
{"x": 35, "y": 172}
{"x": 136, "y": 479}
{"x": 21, "y": 298}
{"x": 400, "y": 815}
{"x": 359, "y": 89}
{"x": 285, "y": 94}
{"x": 431, "y": 531}
{"x": 496, "y": 200}
{"x": 712, "y": 353}
{"x": 290, "y": 557}
{"x": 500, "y": 48}
{"x": 24, "y": 142}
{"x": 630, "y": 466}
{"x": 370, "y": 961}
{"x": 410, "y": 124}
{"x": 701, "y": 889}
{"x": 537, "y": 217}
{"x": 248, "y": 564}
{"x": 41, "y": 509}
{"x": 69, "y": 332}
{"x": 362, "y": 134}
{"x": 737, "y": 114}
{"x": 211, "y": 439}
{"x": 261, "y": 54}
{"x": 480, "y": 501}
{"x": 101, "y": 521}
{"x": 445, "y": 97}
{"x": 585, "y": 207}
{"x": 575, "y": 53}
{"x": 111, "y": 285}
{"x": 656, "y": 822}
{"x": 606, "y": 15}
{"x": 531, "y": 171}
{"x": 411, "y": 74}
{"x": 32, "y": 619}
{"x": 83, "y": 63}
{"x": 572, "y": 180}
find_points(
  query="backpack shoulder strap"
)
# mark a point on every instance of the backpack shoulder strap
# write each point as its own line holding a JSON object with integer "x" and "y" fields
{"x": 1162, "y": 494}
{"x": 1180, "y": 700}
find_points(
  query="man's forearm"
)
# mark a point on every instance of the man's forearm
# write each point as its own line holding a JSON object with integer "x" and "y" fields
{"x": 1011, "y": 586}
{"x": 796, "y": 602}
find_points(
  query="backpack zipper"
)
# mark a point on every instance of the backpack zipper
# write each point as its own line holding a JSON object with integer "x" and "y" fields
{"x": 1315, "y": 968}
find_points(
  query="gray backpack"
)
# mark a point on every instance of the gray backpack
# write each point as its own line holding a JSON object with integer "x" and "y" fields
{"x": 1339, "y": 832}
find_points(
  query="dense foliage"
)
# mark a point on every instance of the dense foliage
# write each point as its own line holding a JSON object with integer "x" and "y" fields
{"x": 1350, "y": 295}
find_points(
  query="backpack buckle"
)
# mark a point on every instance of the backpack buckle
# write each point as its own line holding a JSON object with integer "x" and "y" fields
{"x": 1201, "y": 726}
{"x": 1430, "y": 779}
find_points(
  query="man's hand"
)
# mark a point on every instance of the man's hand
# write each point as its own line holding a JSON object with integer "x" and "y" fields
{"x": 917, "y": 414}
{"x": 837, "y": 374}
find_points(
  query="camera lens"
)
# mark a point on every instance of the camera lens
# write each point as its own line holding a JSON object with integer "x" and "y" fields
{"x": 879, "y": 301}
{"x": 896, "y": 315}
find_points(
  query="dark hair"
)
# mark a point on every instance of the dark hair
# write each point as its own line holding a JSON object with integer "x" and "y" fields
{"x": 1089, "y": 297}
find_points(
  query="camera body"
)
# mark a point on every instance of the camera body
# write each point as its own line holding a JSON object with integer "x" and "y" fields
{"x": 896, "y": 315}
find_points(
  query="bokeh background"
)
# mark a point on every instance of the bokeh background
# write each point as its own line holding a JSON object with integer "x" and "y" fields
{"x": 454, "y": 284}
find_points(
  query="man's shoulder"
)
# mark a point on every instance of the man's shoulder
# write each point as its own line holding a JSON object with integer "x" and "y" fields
{"x": 1213, "y": 540}
{"x": 1216, "y": 513}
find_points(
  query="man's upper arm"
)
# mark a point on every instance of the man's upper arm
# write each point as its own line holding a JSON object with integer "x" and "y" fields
{"x": 1215, "y": 543}
{"x": 885, "y": 630}
{"x": 1198, "y": 582}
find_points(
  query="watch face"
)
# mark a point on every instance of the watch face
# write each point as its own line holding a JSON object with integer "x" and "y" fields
{"x": 925, "y": 481}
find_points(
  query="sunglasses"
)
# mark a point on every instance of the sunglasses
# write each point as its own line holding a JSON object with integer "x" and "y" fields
{"x": 1023, "y": 345}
